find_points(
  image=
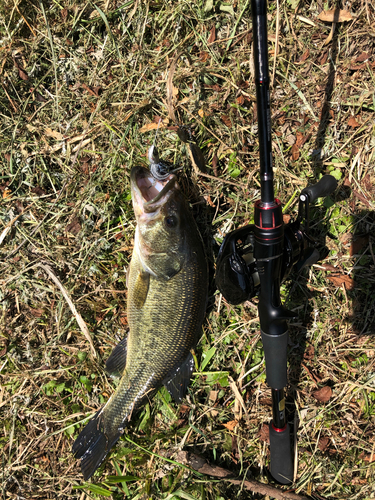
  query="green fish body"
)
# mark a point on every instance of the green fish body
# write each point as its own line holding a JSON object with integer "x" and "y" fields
{"x": 167, "y": 294}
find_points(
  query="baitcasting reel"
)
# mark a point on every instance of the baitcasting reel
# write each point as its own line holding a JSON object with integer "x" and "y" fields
{"x": 237, "y": 275}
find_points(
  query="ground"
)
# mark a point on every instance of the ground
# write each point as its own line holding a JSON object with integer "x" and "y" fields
{"x": 83, "y": 88}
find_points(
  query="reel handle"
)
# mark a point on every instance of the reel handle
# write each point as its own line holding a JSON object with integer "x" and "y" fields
{"x": 324, "y": 187}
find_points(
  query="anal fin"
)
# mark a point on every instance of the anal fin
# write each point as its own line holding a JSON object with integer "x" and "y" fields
{"x": 178, "y": 382}
{"x": 116, "y": 362}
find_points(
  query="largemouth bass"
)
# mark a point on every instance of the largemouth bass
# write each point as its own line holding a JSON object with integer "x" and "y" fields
{"x": 167, "y": 294}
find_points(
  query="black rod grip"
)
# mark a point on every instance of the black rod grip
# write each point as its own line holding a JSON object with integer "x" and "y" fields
{"x": 275, "y": 351}
{"x": 281, "y": 455}
{"x": 324, "y": 187}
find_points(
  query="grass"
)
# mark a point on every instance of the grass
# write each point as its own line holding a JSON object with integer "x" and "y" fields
{"x": 79, "y": 85}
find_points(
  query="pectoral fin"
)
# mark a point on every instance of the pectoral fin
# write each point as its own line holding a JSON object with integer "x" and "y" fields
{"x": 116, "y": 362}
{"x": 178, "y": 383}
{"x": 140, "y": 289}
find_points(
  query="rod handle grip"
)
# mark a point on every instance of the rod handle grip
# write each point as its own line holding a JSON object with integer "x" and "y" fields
{"x": 324, "y": 187}
{"x": 281, "y": 455}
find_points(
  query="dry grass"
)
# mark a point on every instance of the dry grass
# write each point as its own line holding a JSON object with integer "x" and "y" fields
{"x": 78, "y": 83}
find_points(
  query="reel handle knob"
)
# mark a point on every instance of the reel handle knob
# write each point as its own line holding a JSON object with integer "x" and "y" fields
{"x": 324, "y": 187}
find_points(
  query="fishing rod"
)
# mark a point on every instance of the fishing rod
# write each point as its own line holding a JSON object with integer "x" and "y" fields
{"x": 255, "y": 259}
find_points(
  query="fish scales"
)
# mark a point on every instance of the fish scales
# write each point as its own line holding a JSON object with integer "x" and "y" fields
{"x": 167, "y": 294}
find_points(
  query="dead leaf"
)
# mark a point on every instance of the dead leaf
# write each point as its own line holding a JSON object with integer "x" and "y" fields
{"x": 54, "y": 134}
{"x": 203, "y": 56}
{"x": 154, "y": 126}
{"x": 295, "y": 152}
{"x": 323, "y": 443}
{"x": 362, "y": 57}
{"x": 170, "y": 87}
{"x": 86, "y": 87}
{"x": 240, "y": 99}
{"x": 367, "y": 457}
{"x": 39, "y": 97}
{"x": 362, "y": 198}
{"x": 6, "y": 193}
{"x": 358, "y": 244}
{"x": 335, "y": 16}
{"x": 74, "y": 227}
{"x": 264, "y": 433}
{"x": 22, "y": 73}
{"x": 300, "y": 139}
{"x": 226, "y": 120}
{"x": 309, "y": 353}
{"x": 64, "y": 14}
{"x": 230, "y": 425}
{"x": 201, "y": 113}
{"x": 212, "y": 36}
{"x": 304, "y": 56}
{"x": 342, "y": 279}
{"x": 352, "y": 122}
{"x": 213, "y": 396}
{"x": 323, "y": 395}
{"x": 38, "y": 191}
{"x": 215, "y": 160}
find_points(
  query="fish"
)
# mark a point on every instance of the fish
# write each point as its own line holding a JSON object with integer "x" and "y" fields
{"x": 167, "y": 284}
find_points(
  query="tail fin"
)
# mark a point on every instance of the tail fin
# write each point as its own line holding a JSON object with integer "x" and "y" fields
{"x": 93, "y": 445}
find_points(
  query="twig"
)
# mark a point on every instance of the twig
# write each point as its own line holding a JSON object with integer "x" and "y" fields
{"x": 76, "y": 314}
{"x": 200, "y": 465}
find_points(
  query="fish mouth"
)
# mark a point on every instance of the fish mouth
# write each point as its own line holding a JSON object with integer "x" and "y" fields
{"x": 149, "y": 192}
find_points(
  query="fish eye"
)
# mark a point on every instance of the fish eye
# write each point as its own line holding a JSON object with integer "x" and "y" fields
{"x": 171, "y": 221}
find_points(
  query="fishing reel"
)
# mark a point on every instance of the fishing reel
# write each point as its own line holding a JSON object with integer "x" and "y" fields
{"x": 237, "y": 274}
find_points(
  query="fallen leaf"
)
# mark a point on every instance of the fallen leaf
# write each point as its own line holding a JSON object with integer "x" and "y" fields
{"x": 151, "y": 126}
{"x": 38, "y": 312}
{"x": 367, "y": 457}
{"x": 74, "y": 227}
{"x": 352, "y": 122}
{"x": 300, "y": 139}
{"x": 358, "y": 245}
{"x": 342, "y": 279}
{"x": 230, "y": 425}
{"x": 212, "y": 36}
{"x": 335, "y": 16}
{"x": 363, "y": 199}
{"x": 213, "y": 396}
{"x": 304, "y": 56}
{"x": 64, "y": 14}
{"x": 6, "y": 193}
{"x": 226, "y": 120}
{"x": 39, "y": 97}
{"x": 362, "y": 57}
{"x": 323, "y": 395}
{"x": 309, "y": 353}
{"x": 264, "y": 433}
{"x": 90, "y": 91}
{"x": 38, "y": 191}
{"x": 240, "y": 99}
{"x": 54, "y": 134}
{"x": 215, "y": 160}
{"x": 323, "y": 443}
{"x": 295, "y": 152}
{"x": 22, "y": 73}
